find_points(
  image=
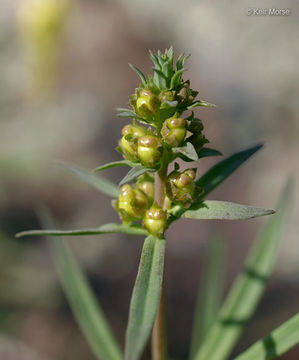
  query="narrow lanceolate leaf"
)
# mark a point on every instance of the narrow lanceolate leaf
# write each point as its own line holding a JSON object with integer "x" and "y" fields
{"x": 224, "y": 210}
{"x": 176, "y": 79}
{"x": 205, "y": 152}
{"x": 248, "y": 288}
{"x": 139, "y": 73}
{"x": 200, "y": 103}
{"x": 278, "y": 342}
{"x": 104, "y": 229}
{"x": 82, "y": 300}
{"x": 127, "y": 113}
{"x": 134, "y": 173}
{"x": 187, "y": 150}
{"x": 210, "y": 293}
{"x": 114, "y": 164}
{"x": 218, "y": 173}
{"x": 99, "y": 183}
{"x": 145, "y": 298}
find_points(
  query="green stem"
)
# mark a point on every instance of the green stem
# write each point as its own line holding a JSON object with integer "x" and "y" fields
{"x": 159, "y": 338}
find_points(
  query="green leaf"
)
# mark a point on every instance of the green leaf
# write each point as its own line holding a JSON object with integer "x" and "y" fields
{"x": 181, "y": 61}
{"x": 204, "y": 152}
{"x": 134, "y": 173}
{"x": 218, "y": 173}
{"x": 200, "y": 103}
{"x": 146, "y": 296}
{"x": 140, "y": 73}
{"x": 247, "y": 289}
{"x": 101, "y": 184}
{"x": 224, "y": 210}
{"x": 114, "y": 164}
{"x": 187, "y": 150}
{"x": 176, "y": 79}
{"x": 127, "y": 113}
{"x": 155, "y": 60}
{"x": 104, "y": 229}
{"x": 210, "y": 293}
{"x": 83, "y": 302}
{"x": 278, "y": 342}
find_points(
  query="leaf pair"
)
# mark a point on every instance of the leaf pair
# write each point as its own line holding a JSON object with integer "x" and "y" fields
{"x": 86, "y": 309}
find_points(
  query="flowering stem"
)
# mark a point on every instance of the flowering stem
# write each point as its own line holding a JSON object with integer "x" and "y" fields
{"x": 159, "y": 338}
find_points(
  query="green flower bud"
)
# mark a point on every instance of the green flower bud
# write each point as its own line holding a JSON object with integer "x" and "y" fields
{"x": 195, "y": 126}
{"x": 147, "y": 103}
{"x": 145, "y": 183}
{"x": 155, "y": 220}
{"x": 181, "y": 187}
{"x": 128, "y": 143}
{"x": 131, "y": 203}
{"x": 198, "y": 141}
{"x": 149, "y": 150}
{"x": 174, "y": 131}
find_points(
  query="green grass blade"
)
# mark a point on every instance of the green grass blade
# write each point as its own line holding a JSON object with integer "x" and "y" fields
{"x": 210, "y": 293}
{"x": 104, "y": 229}
{"x": 146, "y": 297}
{"x": 218, "y": 173}
{"x": 224, "y": 210}
{"x": 82, "y": 300}
{"x": 99, "y": 183}
{"x": 248, "y": 288}
{"x": 113, "y": 165}
{"x": 278, "y": 342}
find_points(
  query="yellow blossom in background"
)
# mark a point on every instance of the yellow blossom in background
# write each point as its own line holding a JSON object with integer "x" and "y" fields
{"x": 41, "y": 24}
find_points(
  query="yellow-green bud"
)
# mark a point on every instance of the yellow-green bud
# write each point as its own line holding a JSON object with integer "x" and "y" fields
{"x": 145, "y": 183}
{"x": 167, "y": 95}
{"x": 186, "y": 95}
{"x": 131, "y": 203}
{"x": 128, "y": 142}
{"x": 174, "y": 131}
{"x": 181, "y": 187}
{"x": 147, "y": 103}
{"x": 155, "y": 220}
{"x": 149, "y": 150}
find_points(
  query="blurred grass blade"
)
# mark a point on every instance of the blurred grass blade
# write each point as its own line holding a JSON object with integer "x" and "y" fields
{"x": 104, "y": 229}
{"x": 82, "y": 300}
{"x": 134, "y": 173}
{"x": 248, "y": 288}
{"x": 282, "y": 339}
{"x": 146, "y": 297}
{"x": 210, "y": 293}
{"x": 219, "y": 172}
{"x": 224, "y": 210}
{"x": 101, "y": 184}
{"x": 114, "y": 164}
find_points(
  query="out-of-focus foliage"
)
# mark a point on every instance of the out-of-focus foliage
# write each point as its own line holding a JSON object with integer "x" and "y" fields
{"x": 247, "y": 65}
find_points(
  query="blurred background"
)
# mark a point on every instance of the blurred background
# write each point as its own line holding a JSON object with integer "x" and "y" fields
{"x": 64, "y": 70}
